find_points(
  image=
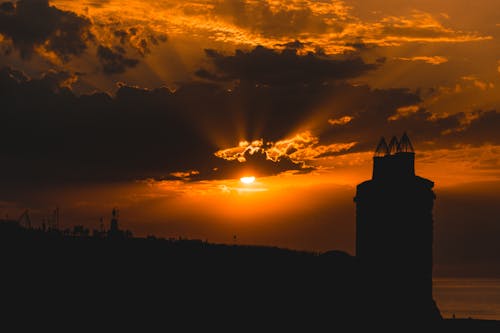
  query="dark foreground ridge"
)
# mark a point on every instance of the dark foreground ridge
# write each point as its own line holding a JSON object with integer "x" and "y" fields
{"x": 196, "y": 284}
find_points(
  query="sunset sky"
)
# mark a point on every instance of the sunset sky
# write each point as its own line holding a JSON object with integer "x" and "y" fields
{"x": 160, "y": 107}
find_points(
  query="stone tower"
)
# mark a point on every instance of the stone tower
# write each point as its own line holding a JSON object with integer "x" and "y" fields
{"x": 394, "y": 231}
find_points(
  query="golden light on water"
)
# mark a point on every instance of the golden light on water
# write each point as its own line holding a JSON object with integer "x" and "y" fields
{"x": 247, "y": 180}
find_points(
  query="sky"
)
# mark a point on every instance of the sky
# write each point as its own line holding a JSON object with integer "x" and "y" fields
{"x": 159, "y": 108}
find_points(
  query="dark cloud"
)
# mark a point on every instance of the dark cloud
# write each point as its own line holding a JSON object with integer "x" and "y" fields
{"x": 122, "y": 35}
{"x": 256, "y": 164}
{"x": 261, "y": 17}
{"x": 135, "y": 135}
{"x": 33, "y": 23}
{"x": 267, "y": 66}
{"x": 293, "y": 85}
{"x": 7, "y": 8}
{"x": 34, "y": 26}
{"x": 483, "y": 129}
{"x": 92, "y": 137}
{"x": 424, "y": 127}
{"x": 141, "y": 133}
{"x": 205, "y": 74}
{"x": 114, "y": 62}
{"x": 141, "y": 40}
{"x": 295, "y": 45}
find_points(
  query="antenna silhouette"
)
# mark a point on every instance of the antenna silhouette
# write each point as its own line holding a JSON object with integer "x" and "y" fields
{"x": 393, "y": 146}
{"x": 405, "y": 145}
{"x": 382, "y": 148}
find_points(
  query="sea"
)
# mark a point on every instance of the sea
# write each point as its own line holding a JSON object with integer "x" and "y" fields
{"x": 468, "y": 298}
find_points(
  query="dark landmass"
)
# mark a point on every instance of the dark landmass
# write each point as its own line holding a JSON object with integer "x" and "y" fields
{"x": 195, "y": 284}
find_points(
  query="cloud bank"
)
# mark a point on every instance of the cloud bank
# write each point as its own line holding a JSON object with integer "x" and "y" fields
{"x": 160, "y": 133}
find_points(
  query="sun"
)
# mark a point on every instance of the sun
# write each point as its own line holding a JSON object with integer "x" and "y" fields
{"x": 247, "y": 180}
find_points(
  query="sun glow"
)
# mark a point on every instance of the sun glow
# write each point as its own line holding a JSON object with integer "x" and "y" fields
{"x": 247, "y": 180}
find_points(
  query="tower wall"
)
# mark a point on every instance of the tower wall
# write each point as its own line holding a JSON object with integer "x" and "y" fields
{"x": 398, "y": 165}
{"x": 394, "y": 232}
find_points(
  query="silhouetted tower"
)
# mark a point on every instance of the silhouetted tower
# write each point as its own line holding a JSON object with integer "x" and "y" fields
{"x": 394, "y": 230}
{"x": 113, "y": 228}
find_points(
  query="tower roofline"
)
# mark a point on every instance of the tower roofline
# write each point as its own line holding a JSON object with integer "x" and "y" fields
{"x": 394, "y": 161}
{"x": 395, "y": 146}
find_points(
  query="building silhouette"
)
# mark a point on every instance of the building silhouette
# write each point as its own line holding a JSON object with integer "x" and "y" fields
{"x": 394, "y": 231}
{"x": 113, "y": 226}
{"x": 115, "y": 232}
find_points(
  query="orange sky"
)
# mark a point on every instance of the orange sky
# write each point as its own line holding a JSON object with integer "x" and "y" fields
{"x": 431, "y": 68}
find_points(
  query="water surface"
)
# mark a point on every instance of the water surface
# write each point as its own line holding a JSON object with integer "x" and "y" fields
{"x": 465, "y": 297}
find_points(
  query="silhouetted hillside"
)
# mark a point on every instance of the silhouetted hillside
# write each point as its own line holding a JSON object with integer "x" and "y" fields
{"x": 189, "y": 282}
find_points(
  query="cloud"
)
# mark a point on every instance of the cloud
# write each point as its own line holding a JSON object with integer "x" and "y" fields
{"x": 141, "y": 39}
{"x": 332, "y": 26}
{"x": 432, "y": 60}
{"x": 33, "y": 27}
{"x": 277, "y": 18}
{"x": 481, "y": 129}
{"x": 68, "y": 35}
{"x": 141, "y": 133}
{"x": 340, "y": 121}
{"x": 162, "y": 134}
{"x": 137, "y": 134}
{"x": 114, "y": 62}
{"x": 266, "y": 66}
{"x": 183, "y": 175}
{"x": 482, "y": 85}
{"x": 403, "y": 111}
{"x": 295, "y": 151}
{"x": 256, "y": 162}
{"x": 418, "y": 27}
{"x": 33, "y": 24}
{"x": 295, "y": 45}
{"x": 429, "y": 130}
